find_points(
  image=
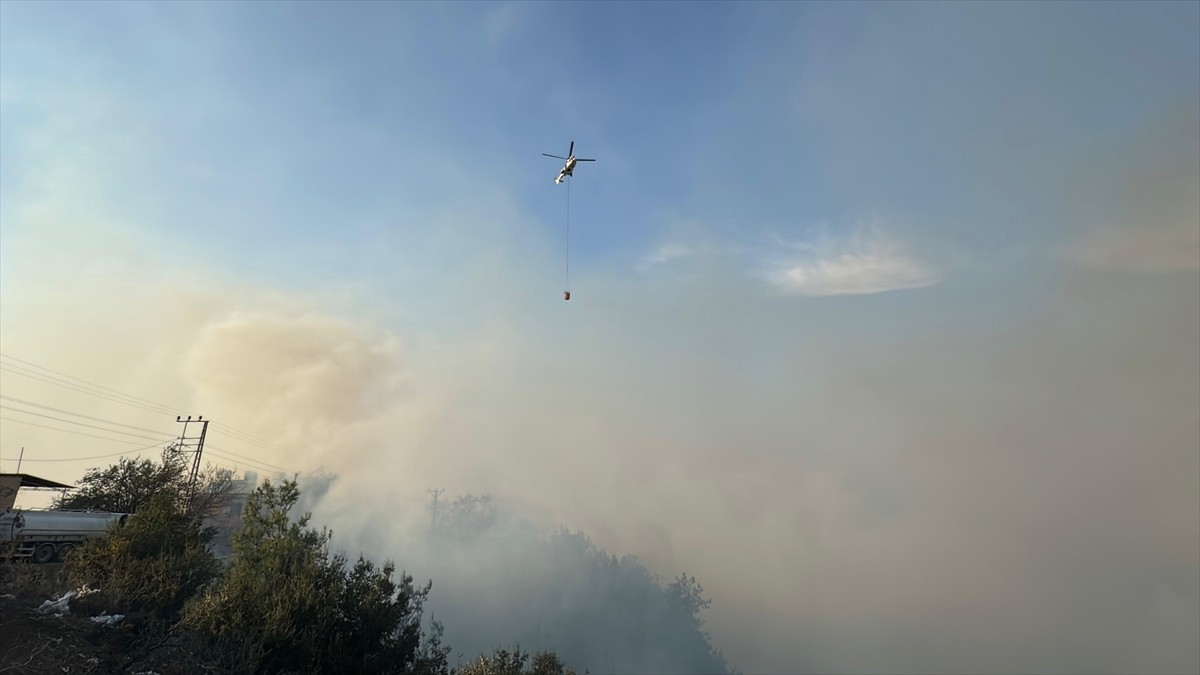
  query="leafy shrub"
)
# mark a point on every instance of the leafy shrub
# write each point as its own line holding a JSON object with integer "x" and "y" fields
{"x": 310, "y": 612}
{"x": 154, "y": 563}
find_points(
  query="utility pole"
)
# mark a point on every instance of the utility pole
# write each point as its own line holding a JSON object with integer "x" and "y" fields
{"x": 433, "y": 508}
{"x": 193, "y": 445}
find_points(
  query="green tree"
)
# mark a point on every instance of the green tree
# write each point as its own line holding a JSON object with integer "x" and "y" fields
{"x": 593, "y": 609}
{"x": 154, "y": 564}
{"x": 306, "y": 610}
{"x": 505, "y": 662}
{"x": 126, "y": 486}
{"x": 548, "y": 663}
{"x": 466, "y": 518}
{"x": 687, "y": 594}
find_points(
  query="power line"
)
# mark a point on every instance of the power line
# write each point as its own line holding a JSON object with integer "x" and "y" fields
{"x": 249, "y": 463}
{"x": 245, "y": 437}
{"x": 219, "y": 452}
{"x": 80, "y": 385}
{"x": 83, "y": 387}
{"x": 90, "y": 426}
{"x": 69, "y": 386}
{"x": 222, "y": 452}
{"x": 90, "y": 384}
{"x": 246, "y": 459}
{"x": 136, "y": 401}
{"x": 75, "y": 414}
{"x": 81, "y": 459}
{"x": 253, "y": 438}
{"x": 219, "y": 465}
{"x": 255, "y": 463}
{"x": 131, "y": 452}
{"x": 77, "y": 433}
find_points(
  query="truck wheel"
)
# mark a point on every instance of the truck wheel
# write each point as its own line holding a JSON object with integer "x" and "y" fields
{"x": 65, "y": 550}
{"x": 43, "y": 554}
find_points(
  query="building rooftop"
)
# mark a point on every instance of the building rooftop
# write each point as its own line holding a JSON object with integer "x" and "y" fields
{"x": 31, "y": 481}
{"x": 11, "y": 482}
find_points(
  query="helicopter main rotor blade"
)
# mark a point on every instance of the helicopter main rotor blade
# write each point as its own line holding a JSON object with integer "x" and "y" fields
{"x": 554, "y": 156}
{"x": 580, "y": 159}
{"x": 572, "y": 150}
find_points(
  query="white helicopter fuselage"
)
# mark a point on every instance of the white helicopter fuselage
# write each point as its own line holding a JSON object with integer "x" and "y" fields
{"x": 567, "y": 170}
{"x": 568, "y": 163}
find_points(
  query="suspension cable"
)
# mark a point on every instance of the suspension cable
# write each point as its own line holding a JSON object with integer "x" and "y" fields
{"x": 567, "y": 280}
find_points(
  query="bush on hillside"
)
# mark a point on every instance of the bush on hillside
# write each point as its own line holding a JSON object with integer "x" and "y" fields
{"x": 154, "y": 564}
{"x": 308, "y": 611}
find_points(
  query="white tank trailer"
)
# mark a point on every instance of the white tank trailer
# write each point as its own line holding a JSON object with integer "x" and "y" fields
{"x": 47, "y": 536}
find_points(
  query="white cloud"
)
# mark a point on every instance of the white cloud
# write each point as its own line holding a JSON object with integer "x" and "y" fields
{"x": 867, "y": 262}
{"x": 666, "y": 252}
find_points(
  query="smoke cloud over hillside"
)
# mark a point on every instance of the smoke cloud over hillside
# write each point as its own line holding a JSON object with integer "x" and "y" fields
{"x": 988, "y": 475}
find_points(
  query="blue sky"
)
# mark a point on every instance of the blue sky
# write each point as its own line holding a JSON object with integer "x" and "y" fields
{"x": 846, "y": 277}
{"x": 330, "y": 125}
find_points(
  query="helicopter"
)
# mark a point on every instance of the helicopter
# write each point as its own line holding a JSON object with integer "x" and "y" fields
{"x": 569, "y": 167}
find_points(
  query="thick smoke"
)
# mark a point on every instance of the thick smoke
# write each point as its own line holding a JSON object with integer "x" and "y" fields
{"x": 1018, "y": 500}
{"x": 988, "y": 475}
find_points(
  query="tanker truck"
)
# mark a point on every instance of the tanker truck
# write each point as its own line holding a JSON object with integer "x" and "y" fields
{"x": 46, "y": 536}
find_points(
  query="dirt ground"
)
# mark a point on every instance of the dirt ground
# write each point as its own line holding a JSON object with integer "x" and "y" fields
{"x": 34, "y": 643}
{"x": 39, "y": 643}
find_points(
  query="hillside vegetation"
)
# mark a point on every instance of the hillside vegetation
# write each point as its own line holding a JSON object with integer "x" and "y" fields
{"x": 285, "y": 603}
